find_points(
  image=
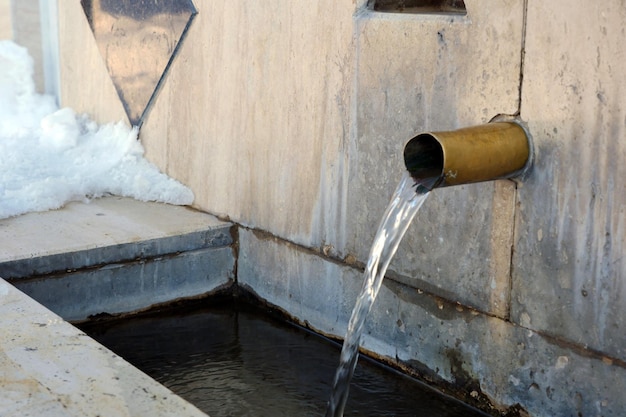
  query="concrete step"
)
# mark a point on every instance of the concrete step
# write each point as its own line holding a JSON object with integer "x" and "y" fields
{"x": 115, "y": 255}
{"x": 50, "y": 368}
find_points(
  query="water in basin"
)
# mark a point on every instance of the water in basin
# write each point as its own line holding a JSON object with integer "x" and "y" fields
{"x": 233, "y": 359}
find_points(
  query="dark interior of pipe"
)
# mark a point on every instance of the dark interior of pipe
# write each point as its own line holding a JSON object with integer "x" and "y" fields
{"x": 423, "y": 157}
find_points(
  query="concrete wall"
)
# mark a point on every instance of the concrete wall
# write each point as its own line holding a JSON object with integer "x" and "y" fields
{"x": 569, "y": 266}
{"x": 290, "y": 118}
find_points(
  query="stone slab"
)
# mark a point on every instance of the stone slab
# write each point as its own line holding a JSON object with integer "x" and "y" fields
{"x": 50, "y": 368}
{"x": 105, "y": 230}
{"x": 115, "y": 255}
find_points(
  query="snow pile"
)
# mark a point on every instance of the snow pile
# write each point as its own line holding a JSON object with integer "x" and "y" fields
{"x": 49, "y": 156}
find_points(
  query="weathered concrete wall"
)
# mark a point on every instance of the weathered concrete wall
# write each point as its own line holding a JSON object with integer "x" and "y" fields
{"x": 264, "y": 133}
{"x": 290, "y": 118}
{"x": 420, "y": 73}
{"x": 302, "y": 157}
{"x": 569, "y": 265}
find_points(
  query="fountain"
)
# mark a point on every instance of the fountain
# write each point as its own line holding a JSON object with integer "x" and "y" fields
{"x": 499, "y": 149}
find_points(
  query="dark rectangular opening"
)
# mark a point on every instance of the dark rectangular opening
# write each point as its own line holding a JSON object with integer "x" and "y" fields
{"x": 420, "y": 6}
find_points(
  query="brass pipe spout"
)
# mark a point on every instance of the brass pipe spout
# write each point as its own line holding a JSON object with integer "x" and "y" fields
{"x": 499, "y": 149}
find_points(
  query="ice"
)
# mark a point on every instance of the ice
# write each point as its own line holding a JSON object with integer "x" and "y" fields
{"x": 50, "y": 156}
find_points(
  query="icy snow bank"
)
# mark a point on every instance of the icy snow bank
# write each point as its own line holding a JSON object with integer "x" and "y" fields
{"x": 50, "y": 156}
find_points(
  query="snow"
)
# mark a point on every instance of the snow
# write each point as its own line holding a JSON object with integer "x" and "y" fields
{"x": 50, "y": 156}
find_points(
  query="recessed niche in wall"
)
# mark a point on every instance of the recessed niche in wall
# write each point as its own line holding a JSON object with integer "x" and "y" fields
{"x": 138, "y": 41}
{"x": 420, "y": 6}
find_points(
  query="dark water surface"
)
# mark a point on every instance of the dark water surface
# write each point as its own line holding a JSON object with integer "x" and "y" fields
{"x": 235, "y": 360}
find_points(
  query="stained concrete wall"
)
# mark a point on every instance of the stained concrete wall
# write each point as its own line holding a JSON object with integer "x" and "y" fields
{"x": 569, "y": 266}
{"x": 290, "y": 118}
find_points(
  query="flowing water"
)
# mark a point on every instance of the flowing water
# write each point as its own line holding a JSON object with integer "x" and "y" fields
{"x": 405, "y": 203}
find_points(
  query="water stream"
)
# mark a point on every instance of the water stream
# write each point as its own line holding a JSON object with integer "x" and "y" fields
{"x": 405, "y": 203}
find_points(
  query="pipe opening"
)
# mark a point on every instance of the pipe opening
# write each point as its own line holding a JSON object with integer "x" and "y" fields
{"x": 423, "y": 158}
{"x": 499, "y": 149}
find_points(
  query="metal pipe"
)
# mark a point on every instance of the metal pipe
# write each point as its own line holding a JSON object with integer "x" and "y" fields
{"x": 499, "y": 149}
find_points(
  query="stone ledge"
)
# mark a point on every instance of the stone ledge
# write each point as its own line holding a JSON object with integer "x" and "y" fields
{"x": 115, "y": 255}
{"x": 107, "y": 230}
{"x": 50, "y": 368}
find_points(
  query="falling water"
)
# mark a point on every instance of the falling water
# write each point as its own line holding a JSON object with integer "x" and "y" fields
{"x": 405, "y": 202}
